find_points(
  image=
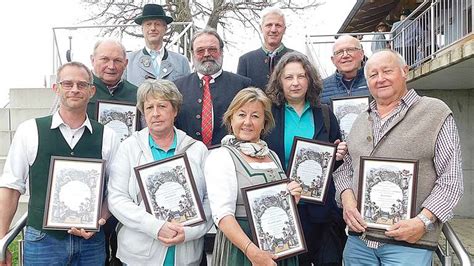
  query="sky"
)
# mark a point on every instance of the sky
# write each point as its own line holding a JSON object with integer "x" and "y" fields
{"x": 27, "y": 38}
{"x": 27, "y": 41}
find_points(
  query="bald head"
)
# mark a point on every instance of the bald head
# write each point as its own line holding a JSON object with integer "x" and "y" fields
{"x": 385, "y": 53}
{"x": 346, "y": 39}
{"x": 386, "y": 74}
{"x": 347, "y": 56}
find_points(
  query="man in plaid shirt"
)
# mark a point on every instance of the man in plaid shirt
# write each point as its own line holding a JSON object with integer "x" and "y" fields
{"x": 401, "y": 124}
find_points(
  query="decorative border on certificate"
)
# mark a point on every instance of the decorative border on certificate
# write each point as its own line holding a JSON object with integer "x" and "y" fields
{"x": 346, "y": 109}
{"x": 169, "y": 190}
{"x": 122, "y": 117}
{"x": 311, "y": 164}
{"x": 387, "y": 190}
{"x": 74, "y": 195}
{"x": 273, "y": 218}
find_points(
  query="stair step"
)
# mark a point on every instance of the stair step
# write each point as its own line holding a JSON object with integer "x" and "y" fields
{"x": 4, "y": 119}
{"x": 19, "y": 115}
{"x": 31, "y": 97}
{"x": 4, "y": 142}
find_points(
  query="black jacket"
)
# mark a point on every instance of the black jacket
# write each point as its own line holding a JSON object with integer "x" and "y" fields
{"x": 223, "y": 91}
{"x": 275, "y": 141}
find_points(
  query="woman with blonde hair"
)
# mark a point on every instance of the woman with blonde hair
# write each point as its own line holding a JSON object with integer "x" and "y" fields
{"x": 244, "y": 159}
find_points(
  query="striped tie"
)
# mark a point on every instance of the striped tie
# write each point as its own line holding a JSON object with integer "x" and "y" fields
{"x": 206, "y": 115}
{"x": 271, "y": 61}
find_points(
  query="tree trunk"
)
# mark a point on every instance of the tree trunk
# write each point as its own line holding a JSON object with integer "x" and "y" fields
{"x": 215, "y": 15}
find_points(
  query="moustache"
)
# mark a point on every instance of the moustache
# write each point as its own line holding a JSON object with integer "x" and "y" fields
{"x": 205, "y": 60}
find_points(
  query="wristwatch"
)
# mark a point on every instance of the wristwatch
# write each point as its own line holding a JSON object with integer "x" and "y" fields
{"x": 429, "y": 225}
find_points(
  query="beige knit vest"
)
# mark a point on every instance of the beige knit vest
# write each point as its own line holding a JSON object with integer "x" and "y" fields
{"x": 412, "y": 135}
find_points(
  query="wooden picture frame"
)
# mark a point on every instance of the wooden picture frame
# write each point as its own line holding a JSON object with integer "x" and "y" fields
{"x": 169, "y": 191}
{"x": 311, "y": 164}
{"x": 122, "y": 117}
{"x": 74, "y": 193}
{"x": 213, "y": 147}
{"x": 387, "y": 190}
{"x": 346, "y": 109}
{"x": 273, "y": 219}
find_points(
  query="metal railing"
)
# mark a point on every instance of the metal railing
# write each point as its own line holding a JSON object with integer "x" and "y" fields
{"x": 444, "y": 256}
{"x": 10, "y": 236}
{"x": 431, "y": 28}
{"x": 438, "y": 24}
{"x": 176, "y": 39}
{"x": 453, "y": 241}
{"x": 176, "y": 43}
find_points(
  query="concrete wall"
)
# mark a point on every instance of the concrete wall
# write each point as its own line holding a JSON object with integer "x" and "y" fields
{"x": 24, "y": 104}
{"x": 461, "y": 103}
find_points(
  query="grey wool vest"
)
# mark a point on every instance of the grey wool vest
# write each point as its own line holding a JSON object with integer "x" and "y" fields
{"x": 248, "y": 176}
{"x": 413, "y": 136}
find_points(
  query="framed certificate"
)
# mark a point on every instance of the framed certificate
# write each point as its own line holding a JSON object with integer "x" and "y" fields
{"x": 122, "y": 117}
{"x": 273, "y": 219}
{"x": 387, "y": 190}
{"x": 74, "y": 194}
{"x": 169, "y": 191}
{"x": 311, "y": 164}
{"x": 346, "y": 109}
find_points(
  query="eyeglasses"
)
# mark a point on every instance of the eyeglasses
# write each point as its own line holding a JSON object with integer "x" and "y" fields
{"x": 69, "y": 84}
{"x": 211, "y": 50}
{"x": 349, "y": 51}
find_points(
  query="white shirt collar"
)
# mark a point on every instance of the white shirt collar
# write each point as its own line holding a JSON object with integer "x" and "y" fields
{"x": 160, "y": 52}
{"x": 214, "y": 76}
{"x": 58, "y": 121}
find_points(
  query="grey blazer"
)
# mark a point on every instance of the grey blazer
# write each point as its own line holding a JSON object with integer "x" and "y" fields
{"x": 139, "y": 68}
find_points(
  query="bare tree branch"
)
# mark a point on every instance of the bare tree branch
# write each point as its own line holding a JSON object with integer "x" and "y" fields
{"x": 214, "y": 13}
{"x": 124, "y": 11}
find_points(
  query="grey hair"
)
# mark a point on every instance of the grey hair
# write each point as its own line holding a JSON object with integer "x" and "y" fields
{"x": 160, "y": 88}
{"x": 114, "y": 41}
{"x": 272, "y": 10}
{"x": 208, "y": 31}
{"x": 78, "y": 65}
{"x": 400, "y": 60}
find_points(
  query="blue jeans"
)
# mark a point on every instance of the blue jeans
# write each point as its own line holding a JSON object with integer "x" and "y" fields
{"x": 42, "y": 249}
{"x": 356, "y": 252}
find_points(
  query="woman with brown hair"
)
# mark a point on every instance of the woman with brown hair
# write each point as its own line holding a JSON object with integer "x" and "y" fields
{"x": 294, "y": 89}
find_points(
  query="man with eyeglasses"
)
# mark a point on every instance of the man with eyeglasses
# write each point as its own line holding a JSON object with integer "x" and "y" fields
{"x": 207, "y": 92}
{"x": 258, "y": 64}
{"x": 68, "y": 133}
{"x": 154, "y": 61}
{"x": 349, "y": 78}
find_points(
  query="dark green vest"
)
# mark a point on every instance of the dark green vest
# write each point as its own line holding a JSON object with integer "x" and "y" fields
{"x": 125, "y": 92}
{"x": 51, "y": 142}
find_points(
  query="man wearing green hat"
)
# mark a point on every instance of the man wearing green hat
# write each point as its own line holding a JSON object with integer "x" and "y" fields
{"x": 154, "y": 60}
